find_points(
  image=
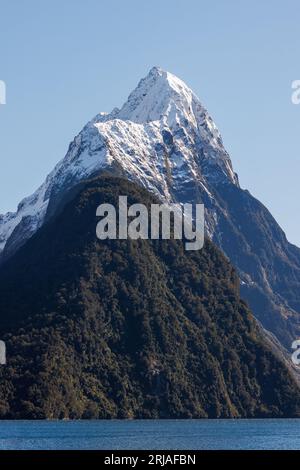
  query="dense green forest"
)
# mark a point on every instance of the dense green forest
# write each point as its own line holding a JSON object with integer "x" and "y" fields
{"x": 130, "y": 329}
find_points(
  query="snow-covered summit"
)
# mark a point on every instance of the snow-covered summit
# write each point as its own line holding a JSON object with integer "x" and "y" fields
{"x": 162, "y": 137}
{"x": 160, "y": 96}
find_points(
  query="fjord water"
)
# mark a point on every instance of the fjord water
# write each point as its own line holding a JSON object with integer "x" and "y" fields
{"x": 151, "y": 434}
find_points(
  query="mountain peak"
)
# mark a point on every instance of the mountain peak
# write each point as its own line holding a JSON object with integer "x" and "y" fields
{"x": 156, "y": 70}
{"x": 161, "y": 96}
{"x": 162, "y": 137}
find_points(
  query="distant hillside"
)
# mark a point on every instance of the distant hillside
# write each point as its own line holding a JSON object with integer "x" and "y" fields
{"x": 129, "y": 329}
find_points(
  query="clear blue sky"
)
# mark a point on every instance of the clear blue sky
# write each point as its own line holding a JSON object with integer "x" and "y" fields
{"x": 65, "y": 60}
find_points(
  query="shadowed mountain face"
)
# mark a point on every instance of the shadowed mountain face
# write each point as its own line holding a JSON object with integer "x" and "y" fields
{"x": 130, "y": 329}
{"x": 164, "y": 140}
{"x": 267, "y": 264}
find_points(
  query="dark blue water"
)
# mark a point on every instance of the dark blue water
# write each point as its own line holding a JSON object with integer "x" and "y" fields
{"x": 156, "y": 434}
